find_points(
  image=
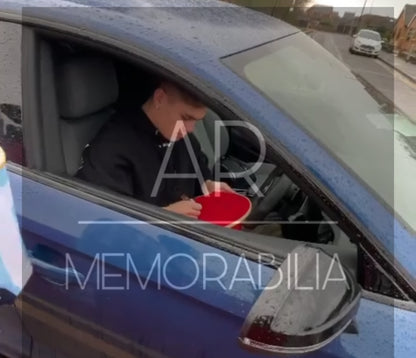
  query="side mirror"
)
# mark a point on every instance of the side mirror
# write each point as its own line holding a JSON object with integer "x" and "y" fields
{"x": 355, "y": 35}
{"x": 310, "y": 300}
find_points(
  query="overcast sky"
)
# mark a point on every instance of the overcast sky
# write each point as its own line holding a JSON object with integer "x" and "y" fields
{"x": 380, "y": 7}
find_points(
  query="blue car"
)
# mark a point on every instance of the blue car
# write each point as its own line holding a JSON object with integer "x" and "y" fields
{"x": 325, "y": 265}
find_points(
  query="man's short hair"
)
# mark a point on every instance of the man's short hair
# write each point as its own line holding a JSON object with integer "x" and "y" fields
{"x": 187, "y": 96}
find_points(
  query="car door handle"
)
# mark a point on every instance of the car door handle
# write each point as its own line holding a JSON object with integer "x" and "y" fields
{"x": 60, "y": 276}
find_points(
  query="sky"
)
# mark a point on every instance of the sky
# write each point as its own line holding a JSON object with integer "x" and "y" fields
{"x": 379, "y": 7}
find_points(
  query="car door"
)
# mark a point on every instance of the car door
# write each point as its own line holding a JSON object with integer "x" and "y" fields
{"x": 106, "y": 283}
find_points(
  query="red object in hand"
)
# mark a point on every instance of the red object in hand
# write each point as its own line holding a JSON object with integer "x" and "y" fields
{"x": 224, "y": 208}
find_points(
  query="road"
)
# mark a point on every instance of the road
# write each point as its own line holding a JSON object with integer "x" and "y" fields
{"x": 397, "y": 88}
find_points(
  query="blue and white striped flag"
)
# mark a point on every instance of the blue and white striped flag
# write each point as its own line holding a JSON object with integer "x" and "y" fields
{"x": 15, "y": 266}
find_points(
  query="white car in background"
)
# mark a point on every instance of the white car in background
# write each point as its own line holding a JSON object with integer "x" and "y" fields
{"x": 367, "y": 42}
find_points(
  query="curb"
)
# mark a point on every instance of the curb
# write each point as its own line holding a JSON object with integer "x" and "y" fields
{"x": 398, "y": 70}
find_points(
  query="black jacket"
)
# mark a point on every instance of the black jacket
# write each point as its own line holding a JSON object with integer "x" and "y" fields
{"x": 127, "y": 154}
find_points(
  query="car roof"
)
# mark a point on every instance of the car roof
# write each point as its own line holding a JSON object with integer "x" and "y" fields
{"x": 210, "y": 28}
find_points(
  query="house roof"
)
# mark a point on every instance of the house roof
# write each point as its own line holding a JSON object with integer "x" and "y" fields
{"x": 409, "y": 13}
{"x": 413, "y": 19}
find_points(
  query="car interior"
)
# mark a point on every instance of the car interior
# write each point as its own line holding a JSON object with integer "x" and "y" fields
{"x": 82, "y": 88}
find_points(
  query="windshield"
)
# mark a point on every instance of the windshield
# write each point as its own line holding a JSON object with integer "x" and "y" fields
{"x": 344, "y": 114}
{"x": 370, "y": 35}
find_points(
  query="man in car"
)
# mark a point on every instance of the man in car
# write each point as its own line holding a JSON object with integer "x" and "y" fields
{"x": 149, "y": 154}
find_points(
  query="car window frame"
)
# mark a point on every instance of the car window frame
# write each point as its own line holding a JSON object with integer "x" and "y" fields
{"x": 211, "y": 235}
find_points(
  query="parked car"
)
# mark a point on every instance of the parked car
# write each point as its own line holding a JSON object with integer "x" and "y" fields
{"x": 116, "y": 277}
{"x": 367, "y": 42}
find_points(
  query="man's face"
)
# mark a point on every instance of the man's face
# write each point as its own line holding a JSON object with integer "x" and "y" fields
{"x": 177, "y": 117}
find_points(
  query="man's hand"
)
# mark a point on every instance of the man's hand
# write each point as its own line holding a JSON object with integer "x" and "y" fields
{"x": 211, "y": 186}
{"x": 186, "y": 207}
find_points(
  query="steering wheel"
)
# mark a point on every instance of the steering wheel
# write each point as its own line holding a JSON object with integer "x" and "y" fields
{"x": 273, "y": 190}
